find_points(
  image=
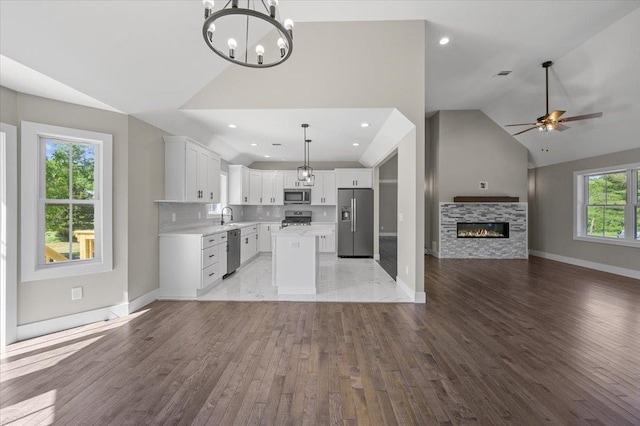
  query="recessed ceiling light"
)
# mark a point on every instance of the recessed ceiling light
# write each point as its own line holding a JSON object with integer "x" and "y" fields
{"x": 444, "y": 40}
{"x": 232, "y": 126}
{"x": 356, "y": 144}
{"x": 254, "y": 144}
{"x": 267, "y": 156}
{"x": 364, "y": 125}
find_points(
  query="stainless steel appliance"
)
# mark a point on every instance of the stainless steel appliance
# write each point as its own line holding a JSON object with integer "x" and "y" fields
{"x": 355, "y": 223}
{"x": 297, "y": 196}
{"x": 297, "y": 218}
{"x": 233, "y": 251}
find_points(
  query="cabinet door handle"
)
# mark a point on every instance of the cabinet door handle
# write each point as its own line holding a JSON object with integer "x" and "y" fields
{"x": 212, "y": 195}
{"x": 256, "y": 236}
{"x": 211, "y": 241}
{"x": 211, "y": 255}
{"x": 212, "y": 274}
{"x": 246, "y": 240}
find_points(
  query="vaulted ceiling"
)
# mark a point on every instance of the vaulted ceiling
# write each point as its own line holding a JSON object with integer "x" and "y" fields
{"x": 147, "y": 59}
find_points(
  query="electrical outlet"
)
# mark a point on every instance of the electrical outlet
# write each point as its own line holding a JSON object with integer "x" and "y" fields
{"x": 406, "y": 269}
{"x": 400, "y": 217}
{"x": 484, "y": 185}
{"x": 76, "y": 293}
{"x": 199, "y": 215}
{"x": 267, "y": 213}
{"x": 324, "y": 213}
{"x": 381, "y": 228}
{"x": 173, "y": 217}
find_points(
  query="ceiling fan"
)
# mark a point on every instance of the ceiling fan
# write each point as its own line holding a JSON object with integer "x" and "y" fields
{"x": 552, "y": 121}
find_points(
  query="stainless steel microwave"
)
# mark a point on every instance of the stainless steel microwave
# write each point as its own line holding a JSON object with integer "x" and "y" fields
{"x": 297, "y": 196}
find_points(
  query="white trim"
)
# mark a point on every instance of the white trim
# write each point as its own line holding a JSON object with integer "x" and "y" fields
{"x": 144, "y": 300}
{"x": 421, "y": 297}
{"x": 376, "y": 257}
{"x": 605, "y": 240}
{"x": 388, "y": 181}
{"x": 40, "y": 328}
{"x": 388, "y": 234}
{"x": 30, "y": 267}
{"x": 9, "y": 250}
{"x": 404, "y": 287}
{"x": 631, "y": 273}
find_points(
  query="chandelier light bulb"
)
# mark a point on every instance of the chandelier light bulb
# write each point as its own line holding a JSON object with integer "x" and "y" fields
{"x": 260, "y": 52}
{"x": 232, "y": 47}
{"x": 282, "y": 45}
{"x": 288, "y": 24}
{"x": 208, "y": 7}
{"x": 210, "y": 31}
{"x": 272, "y": 7}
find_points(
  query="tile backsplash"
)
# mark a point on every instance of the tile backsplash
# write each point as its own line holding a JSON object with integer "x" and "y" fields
{"x": 189, "y": 216}
{"x": 276, "y": 213}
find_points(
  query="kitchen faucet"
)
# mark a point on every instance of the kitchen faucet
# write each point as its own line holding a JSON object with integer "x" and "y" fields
{"x": 222, "y": 215}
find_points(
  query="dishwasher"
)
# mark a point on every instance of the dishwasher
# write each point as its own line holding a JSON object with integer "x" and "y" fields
{"x": 233, "y": 251}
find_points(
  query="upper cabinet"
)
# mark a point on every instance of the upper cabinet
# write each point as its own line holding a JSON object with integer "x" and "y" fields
{"x": 291, "y": 180}
{"x": 238, "y": 185}
{"x": 354, "y": 178}
{"x": 192, "y": 171}
{"x": 255, "y": 187}
{"x": 323, "y": 193}
{"x": 272, "y": 188}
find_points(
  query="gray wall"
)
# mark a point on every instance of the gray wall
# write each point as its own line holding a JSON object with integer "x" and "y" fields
{"x": 40, "y": 300}
{"x": 8, "y": 106}
{"x": 551, "y": 216}
{"x": 388, "y": 207}
{"x": 146, "y": 184}
{"x": 293, "y": 165}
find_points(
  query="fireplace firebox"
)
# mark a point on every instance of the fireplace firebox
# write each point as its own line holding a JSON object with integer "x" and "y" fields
{"x": 483, "y": 229}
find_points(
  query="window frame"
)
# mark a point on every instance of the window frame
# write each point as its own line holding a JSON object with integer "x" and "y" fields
{"x": 581, "y": 197}
{"x": 33, "y": 201}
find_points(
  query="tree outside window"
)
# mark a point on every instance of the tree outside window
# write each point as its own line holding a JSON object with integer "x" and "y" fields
{"x": 607, "y": 198}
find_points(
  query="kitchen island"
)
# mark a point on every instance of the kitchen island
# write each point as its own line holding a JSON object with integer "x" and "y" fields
{"x": 295, "y": 259}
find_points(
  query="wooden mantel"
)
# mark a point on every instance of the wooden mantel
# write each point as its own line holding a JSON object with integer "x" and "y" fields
{"x": 490, "y": 199}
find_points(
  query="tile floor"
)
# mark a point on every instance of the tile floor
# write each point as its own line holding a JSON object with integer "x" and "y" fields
{"x": 341, "y": 280}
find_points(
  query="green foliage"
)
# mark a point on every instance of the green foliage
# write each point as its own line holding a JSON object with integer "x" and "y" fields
{"x": 59, "y": 181}
{"x": 607, "y": 197}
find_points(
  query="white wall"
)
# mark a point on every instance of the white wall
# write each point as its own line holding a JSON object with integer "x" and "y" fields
{"x": 383, "y": 67}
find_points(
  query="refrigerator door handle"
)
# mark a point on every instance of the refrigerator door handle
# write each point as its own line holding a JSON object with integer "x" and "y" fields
{"x": 352, "y": 219}
{"x": 355, "y": 214}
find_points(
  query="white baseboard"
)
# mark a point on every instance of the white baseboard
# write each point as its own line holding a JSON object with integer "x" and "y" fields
{"x": 388, "y": 234}
{"x": 415, "y": 296}
{"x": 144, "y": 300}
{"x": 376, "y": 257}
{"x": 587, "y": 264}
{"x": 53, "y": 325}
{"x": 421, "y": 297}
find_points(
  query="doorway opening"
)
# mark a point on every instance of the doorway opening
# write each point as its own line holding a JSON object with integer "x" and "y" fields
{"x": 388, "y": 216}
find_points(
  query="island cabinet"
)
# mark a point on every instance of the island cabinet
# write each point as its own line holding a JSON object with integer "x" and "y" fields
{"x": 249, "y": 243}
{"x": 326, "y": 238}
{"x": 192, "y": 171}
{"x": 238, "y": 185}
{"x": 354, "y": 178}
{"x": 189, "y": 263}
{"x": 265, "y": 235}
{"x": 323, "y": 193}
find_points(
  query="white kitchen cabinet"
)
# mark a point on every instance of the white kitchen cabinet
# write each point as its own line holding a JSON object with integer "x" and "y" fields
{"x": 249, "y": 243}
{"x": 327, "y": 241}
{"x": 272, "y": 188}
{"x": 255, "y": 187}
{"x": 265, "y": 235}
{"x": 190, "y": 263}
{"x": 192, "y": 171}
{"x": 323, "y": 193}
{"x": 354, "y": 178}
{"x": 291, "y": 180}
{"x": 238, "y": 185}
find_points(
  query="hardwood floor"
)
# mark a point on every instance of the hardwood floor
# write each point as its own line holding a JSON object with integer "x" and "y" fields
{"x": 499, "y": 342}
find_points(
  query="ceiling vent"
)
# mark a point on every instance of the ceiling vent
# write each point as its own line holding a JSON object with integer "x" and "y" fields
{"x": 503, "y": 74}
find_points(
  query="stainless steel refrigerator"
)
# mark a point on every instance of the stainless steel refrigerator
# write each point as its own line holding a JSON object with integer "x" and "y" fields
{"x": 355, "y": 222}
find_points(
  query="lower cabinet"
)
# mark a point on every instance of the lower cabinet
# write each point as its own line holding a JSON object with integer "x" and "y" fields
{"x": 249, "y": 243}
{"x": 191, "y": 262}
{"x": 327, "y": 241}
{"x": 265, "y": 231}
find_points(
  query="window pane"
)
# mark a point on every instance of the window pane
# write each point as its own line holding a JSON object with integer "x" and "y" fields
{"x": 83, "y": 172}
{"x": 616, "y": 188}
{"x": 83, "y": 232}
{"x": 56, "y": 170}
{"x": 56, "y": 233}
{"x": 595, "y": 221}
{"x": 614, "y": 222}
{"x": 637, "y": 223}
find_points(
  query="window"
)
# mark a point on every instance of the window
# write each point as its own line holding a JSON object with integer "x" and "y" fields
{"x": 608, "y": 205}
{"x": 66, "y": 202}
{"x": 216, "y": 209}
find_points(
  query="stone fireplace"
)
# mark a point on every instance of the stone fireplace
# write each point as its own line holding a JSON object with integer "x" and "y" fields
{"x": 483, "y": 230}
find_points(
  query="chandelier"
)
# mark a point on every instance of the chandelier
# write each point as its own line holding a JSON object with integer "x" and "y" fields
{"x": 305, "y": 172}
{"x": 223, "y": 28}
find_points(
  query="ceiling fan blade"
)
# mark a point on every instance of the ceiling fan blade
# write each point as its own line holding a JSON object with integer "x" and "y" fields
{"x": 580, "y": 117}
{"x": 523, "y": 124}
{"x": 561, "y": 127}
{"x": 555, "y": 115}
{"x": 519, "y": 133}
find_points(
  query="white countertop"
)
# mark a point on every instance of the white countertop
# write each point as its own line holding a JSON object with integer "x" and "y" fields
{"x": 214, "y": 229}
{"x": 301, "y": 231}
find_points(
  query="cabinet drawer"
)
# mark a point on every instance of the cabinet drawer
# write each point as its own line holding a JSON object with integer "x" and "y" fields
{"x": 222, "y": 238}
{"x": 210, "y": 240}
{"x": 248, "y": 230}
{"x": 210, "y": 275}
{"x": 209, "y": 256}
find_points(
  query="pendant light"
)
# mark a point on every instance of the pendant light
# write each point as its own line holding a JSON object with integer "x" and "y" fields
{"x": 305, "y": 171}
{"x": 311, "y": 178}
